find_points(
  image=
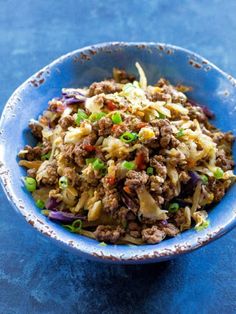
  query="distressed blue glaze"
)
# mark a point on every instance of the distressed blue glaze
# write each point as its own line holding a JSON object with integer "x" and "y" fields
{"x": 36, "y": 276}
{"x": 210, "y": 86}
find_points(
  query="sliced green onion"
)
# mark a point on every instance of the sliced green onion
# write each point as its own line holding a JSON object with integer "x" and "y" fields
{"x": 161, "y": 115}
{"x": 89, "y": 160}
{"x": 180, "y": 133}
{"x": 63, "y": 182}
{"x": 81, "y": 115}
{"x": 130, "y": 165}
{"x": 77, "y": 224}
{"x": 128, "y": 137}
{"x": 218, "y": 174}
{"x": 150, "y": 171}
{"x": 45, "y": 212}
{"x": 203, "y": 226}
{"x": 173, "y": 208}
{"x": 98, "y": 164}
{"x": 116, "y": 118}
{"x": 46, "y": 156}
{"x": 204, "y": 179}
{"x": 40, "y": 204}
{"x": 30, "y": 184}
{"x": 96, "y": 116}
{"x": 102, "y": 244}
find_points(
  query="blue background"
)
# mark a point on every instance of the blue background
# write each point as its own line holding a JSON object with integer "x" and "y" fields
{"x": 37, "y": 276}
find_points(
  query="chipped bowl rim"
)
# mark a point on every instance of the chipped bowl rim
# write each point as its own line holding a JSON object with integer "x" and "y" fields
{"x": 120, "y": 254}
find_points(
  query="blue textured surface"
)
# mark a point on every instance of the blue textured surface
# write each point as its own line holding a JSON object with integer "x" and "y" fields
{"x": 38, "y": 277}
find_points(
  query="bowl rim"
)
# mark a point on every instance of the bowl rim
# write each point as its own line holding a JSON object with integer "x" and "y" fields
{"x": 116, "y": 257}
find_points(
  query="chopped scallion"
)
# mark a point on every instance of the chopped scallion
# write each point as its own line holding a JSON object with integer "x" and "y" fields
{"x": 150, "y": 171}
{"x": 30, "y": 184}
{"x": 40, "y": 204}
{"x": 130, "y": 165}
{"x": 96, "y": 116}
{"x": 116, "y": 118}
{"x": 218, "y": 174}
{"x": 63, "y": 182}
{"x": 180, "y": 133}
{"x": 173, "y": 208}
{"x": 81, "y": 115}
{"x": 128, "y": 137}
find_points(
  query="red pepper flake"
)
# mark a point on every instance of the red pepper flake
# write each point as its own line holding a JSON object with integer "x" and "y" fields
{"x": 110, "y": 105}
{"x": 89, "y": 148}
{"x": 111, "y": 180}
{"x": 127, "y": 190}
{"x": 139, "y": 160}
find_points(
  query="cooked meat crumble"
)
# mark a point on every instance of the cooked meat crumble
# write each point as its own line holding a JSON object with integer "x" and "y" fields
{"x": 122, "y": 161}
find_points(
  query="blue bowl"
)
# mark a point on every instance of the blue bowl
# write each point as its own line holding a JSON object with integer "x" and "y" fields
{"x": 210, "y": 86}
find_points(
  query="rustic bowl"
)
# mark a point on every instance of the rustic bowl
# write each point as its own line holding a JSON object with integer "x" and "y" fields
{"x": 210, "y": 86}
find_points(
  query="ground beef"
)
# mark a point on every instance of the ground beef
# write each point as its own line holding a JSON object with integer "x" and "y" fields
{"x": 119, "y": 130}
{"x": 36, "y": 130}
{"x": 108, "y": 233}
{"x": 157, "y": 162}
{"x": 34, "y": 153}
{"x": 218, "y": 188}
{"x": 156, "y": 184}
{"x": 66, "y": 122}
{"x": 47, "y": 173}
{"x": 111, "y": 200}
{"x": 153, "y": 235}
{"x": 71, "y": 174}
{"x": 121, "y": 76}
{"x": 32, "y": 173}
{"x": 67, "y": 151}
{"x": 106, "y": 87}
{"x": 170, "y": 230}
{"x": 224, "y": 162}
{"x": 196, "y": 112}
{"x": 134, "y": 229}
{"x": 79, "y": 155}
{"x": 105, "y": 125}
{"x": 135, "y": 179}
{"x": 46, "y": 147}
{"x": 165, "y": 132}
{"x": 169, "y": 190}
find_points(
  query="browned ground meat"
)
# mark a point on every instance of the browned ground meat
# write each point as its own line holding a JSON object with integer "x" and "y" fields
{"x": 134, "y": 229}
{"x": 136, "y": 179}
{"x": 156, "y": 184}
{"x": 145, "y": 154}
{"x": 111, "y": 200}
{"x": 50, "y": 175}
{"x": 46, "y": 147}
{"x": 33, "y": 153}
{"x": 32, "y": 173}
{"x": 106, "y": 87}
{"x": 165, "y": 132}
{"x": 121, "y": 76}
{"x": 226, "y": 163}
{"x": 66, "y": 122}
{"x": 36, "y": 130}
{"x": 157, "y": 162}
{"x": 108, "y": 233}
{"x": 218, "y": 188}
{"x": 79, "y": 155}
{"x": 153, "y": 235}
{"x": 71, "y": 174}
{"x": 119, "y": 130}
{"x": 170, "y": 230}
{"x": 104, "y": 125}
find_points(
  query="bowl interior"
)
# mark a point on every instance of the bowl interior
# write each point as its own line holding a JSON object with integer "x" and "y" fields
{"x": 210, "y": 87}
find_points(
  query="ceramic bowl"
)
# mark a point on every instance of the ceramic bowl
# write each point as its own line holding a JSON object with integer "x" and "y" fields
{"x": 210, "y": 86}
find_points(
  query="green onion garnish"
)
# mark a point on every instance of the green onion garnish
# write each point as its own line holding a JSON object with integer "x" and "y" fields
{"x": 98, "y": 164}
{"x": 40, "y": 204}
{"x": 89, "y": 160}
{"x": 30, "y": 184}
{"x": 46, "y": 156}
{"x": 130, "y": 165}
{"x": 96, "y": 116}
{"x": 81, "y": 115}
{"x": 75, "y": 226}
{"x": 204, "y": 179}
{"x": 218, "y": 174}
{"x": 63, "y": 182}
{"x": 203, "y": 226}
{"x": 102, "y": 244}
{"x": 150, "y": 171}
{"x": 173, "y": 208}
{"x": 161, "y": 115}
{"x": 128, "y": 137}
{"x": 180, "y": 133}
{"x": 116, "y": 118}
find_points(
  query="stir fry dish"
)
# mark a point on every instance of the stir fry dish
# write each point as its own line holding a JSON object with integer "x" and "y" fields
{"x": 122, "y": 161}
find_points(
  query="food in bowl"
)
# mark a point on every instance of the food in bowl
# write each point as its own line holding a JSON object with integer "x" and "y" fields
{"x": 122, "y": 161}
